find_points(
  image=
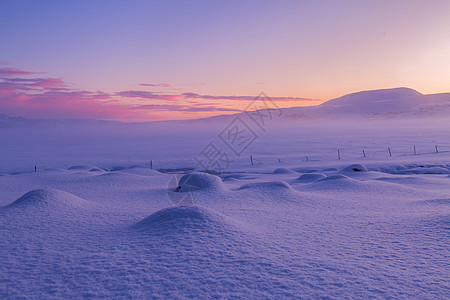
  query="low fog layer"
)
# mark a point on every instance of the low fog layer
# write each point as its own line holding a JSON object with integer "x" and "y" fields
{"x": 351, "y": 124}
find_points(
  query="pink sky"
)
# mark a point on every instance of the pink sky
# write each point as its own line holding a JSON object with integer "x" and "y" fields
{"x": 28, "y": 94}
{"x": 158, "y": 60}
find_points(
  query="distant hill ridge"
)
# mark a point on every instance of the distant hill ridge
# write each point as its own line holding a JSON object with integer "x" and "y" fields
{"x": 400, "y": 102}
{"x": 383, "y": 103}
{"x": 17, "y": 122}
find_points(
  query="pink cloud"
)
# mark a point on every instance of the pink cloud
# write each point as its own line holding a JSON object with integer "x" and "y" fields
{"x": 51, "y": 98}
{"x": 37, "y": 82}
{"x": 241, "y": 98}
{"x": 147, "y": 95}
{"x": 155, "y": 84}
{"x": 14, "y": 71}
{"x": 187, "y": 108}
{"x": 28, "y": 96}
{"x": 73, "y": 104}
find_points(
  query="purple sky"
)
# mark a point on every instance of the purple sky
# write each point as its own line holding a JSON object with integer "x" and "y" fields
{"x": 153, "y": 60}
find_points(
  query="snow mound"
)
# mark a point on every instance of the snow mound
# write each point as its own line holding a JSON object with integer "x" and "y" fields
{"x": 269, "y": 185}
{"x": 445, "y": 201}
{"x": 330, "y": 170}
{"x": 406, "y": 180}
{"x": 184, "y": 217}
{"x": 355, "y": 168}
{"x": 283, "y": 171}
{"x": 81, "y": 168}
{"x": 50, "y": 199}
{"x": 140, "y": 171}
{"x": 113, "y": 175}
{"x": 45, "y": 212}
{"x": 311, "y": 177}
{"x": 305, "y": 170}
{"x": 237, "y": 176}
{"x": 199, "y": 181}
{"x": 336, "y": 177}
{"x": 425, "y": 170}
{"x": 117, "y": 177}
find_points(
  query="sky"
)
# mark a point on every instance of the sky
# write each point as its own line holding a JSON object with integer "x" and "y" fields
{"x": 162, "y": 60}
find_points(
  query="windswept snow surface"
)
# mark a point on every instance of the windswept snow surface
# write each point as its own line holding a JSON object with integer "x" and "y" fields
{"x": 95, "y": 221}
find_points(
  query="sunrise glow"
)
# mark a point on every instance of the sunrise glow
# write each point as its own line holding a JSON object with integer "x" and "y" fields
{"x": 157, "y": 60}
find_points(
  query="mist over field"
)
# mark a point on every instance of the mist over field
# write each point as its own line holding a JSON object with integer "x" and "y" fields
{"x": 350, "y": 127}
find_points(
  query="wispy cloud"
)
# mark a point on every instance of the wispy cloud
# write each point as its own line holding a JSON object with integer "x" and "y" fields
{"x": 14, "y": 71}
{"x": 155, "y": 84}
{"x": 147, "y": 95}
{"x": 187, "y": 108}
{"x": 241, "y": 98}
{"x": 27, "y": 83}
{"x": 54, "y": 104}
{"x": 27, "y": 94}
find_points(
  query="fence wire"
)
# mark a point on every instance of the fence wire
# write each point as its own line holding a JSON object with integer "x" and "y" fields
{"x": 354, "y": 153}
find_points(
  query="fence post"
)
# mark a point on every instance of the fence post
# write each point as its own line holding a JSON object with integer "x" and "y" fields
{"x": 307, "y": 158}
{"x": 151, "y": 164}
{"x": 251, "y": 160}
{"x": 339, "y": 154}
{"x": 364, "y": 153}
{"x": 415, "y": 153}
{"x": 389, "y": 149}
{"x": 437, "y": 151}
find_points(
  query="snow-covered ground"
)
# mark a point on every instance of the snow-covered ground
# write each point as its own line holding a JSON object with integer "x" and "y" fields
{"x": 95, "y": 220}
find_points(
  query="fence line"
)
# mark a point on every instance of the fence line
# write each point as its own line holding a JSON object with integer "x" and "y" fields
{"x": 343, "y": 154}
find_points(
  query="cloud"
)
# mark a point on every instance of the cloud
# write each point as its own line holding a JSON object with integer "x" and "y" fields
{"x": 187, "y": 108}
{"x": 155, "y": 84}
{"x": 241, "y": 98}
{"x": 52, "y": 98}
{"x": 27, "y": 83}
{"x": 147, "y": 95}
{"x": 59, "y": 104}
{"x": 23, "y": 93}
{"x": 14, "y": 72}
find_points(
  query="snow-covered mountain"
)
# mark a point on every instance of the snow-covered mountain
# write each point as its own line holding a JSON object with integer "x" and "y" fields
{"x": 374, "y": 104}
{"x": 386, "y": 103}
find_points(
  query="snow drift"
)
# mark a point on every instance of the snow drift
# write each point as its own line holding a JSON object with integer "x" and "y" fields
{"x": 199, "y": 181}
{"x": 310, "y": 177}
{"x": 270, "y": 185}
{"x": 179, "y": 219}
{"x": 355, "y": 168}
{"x": 283, "y": 171}
{"x": 52, "y": 199}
